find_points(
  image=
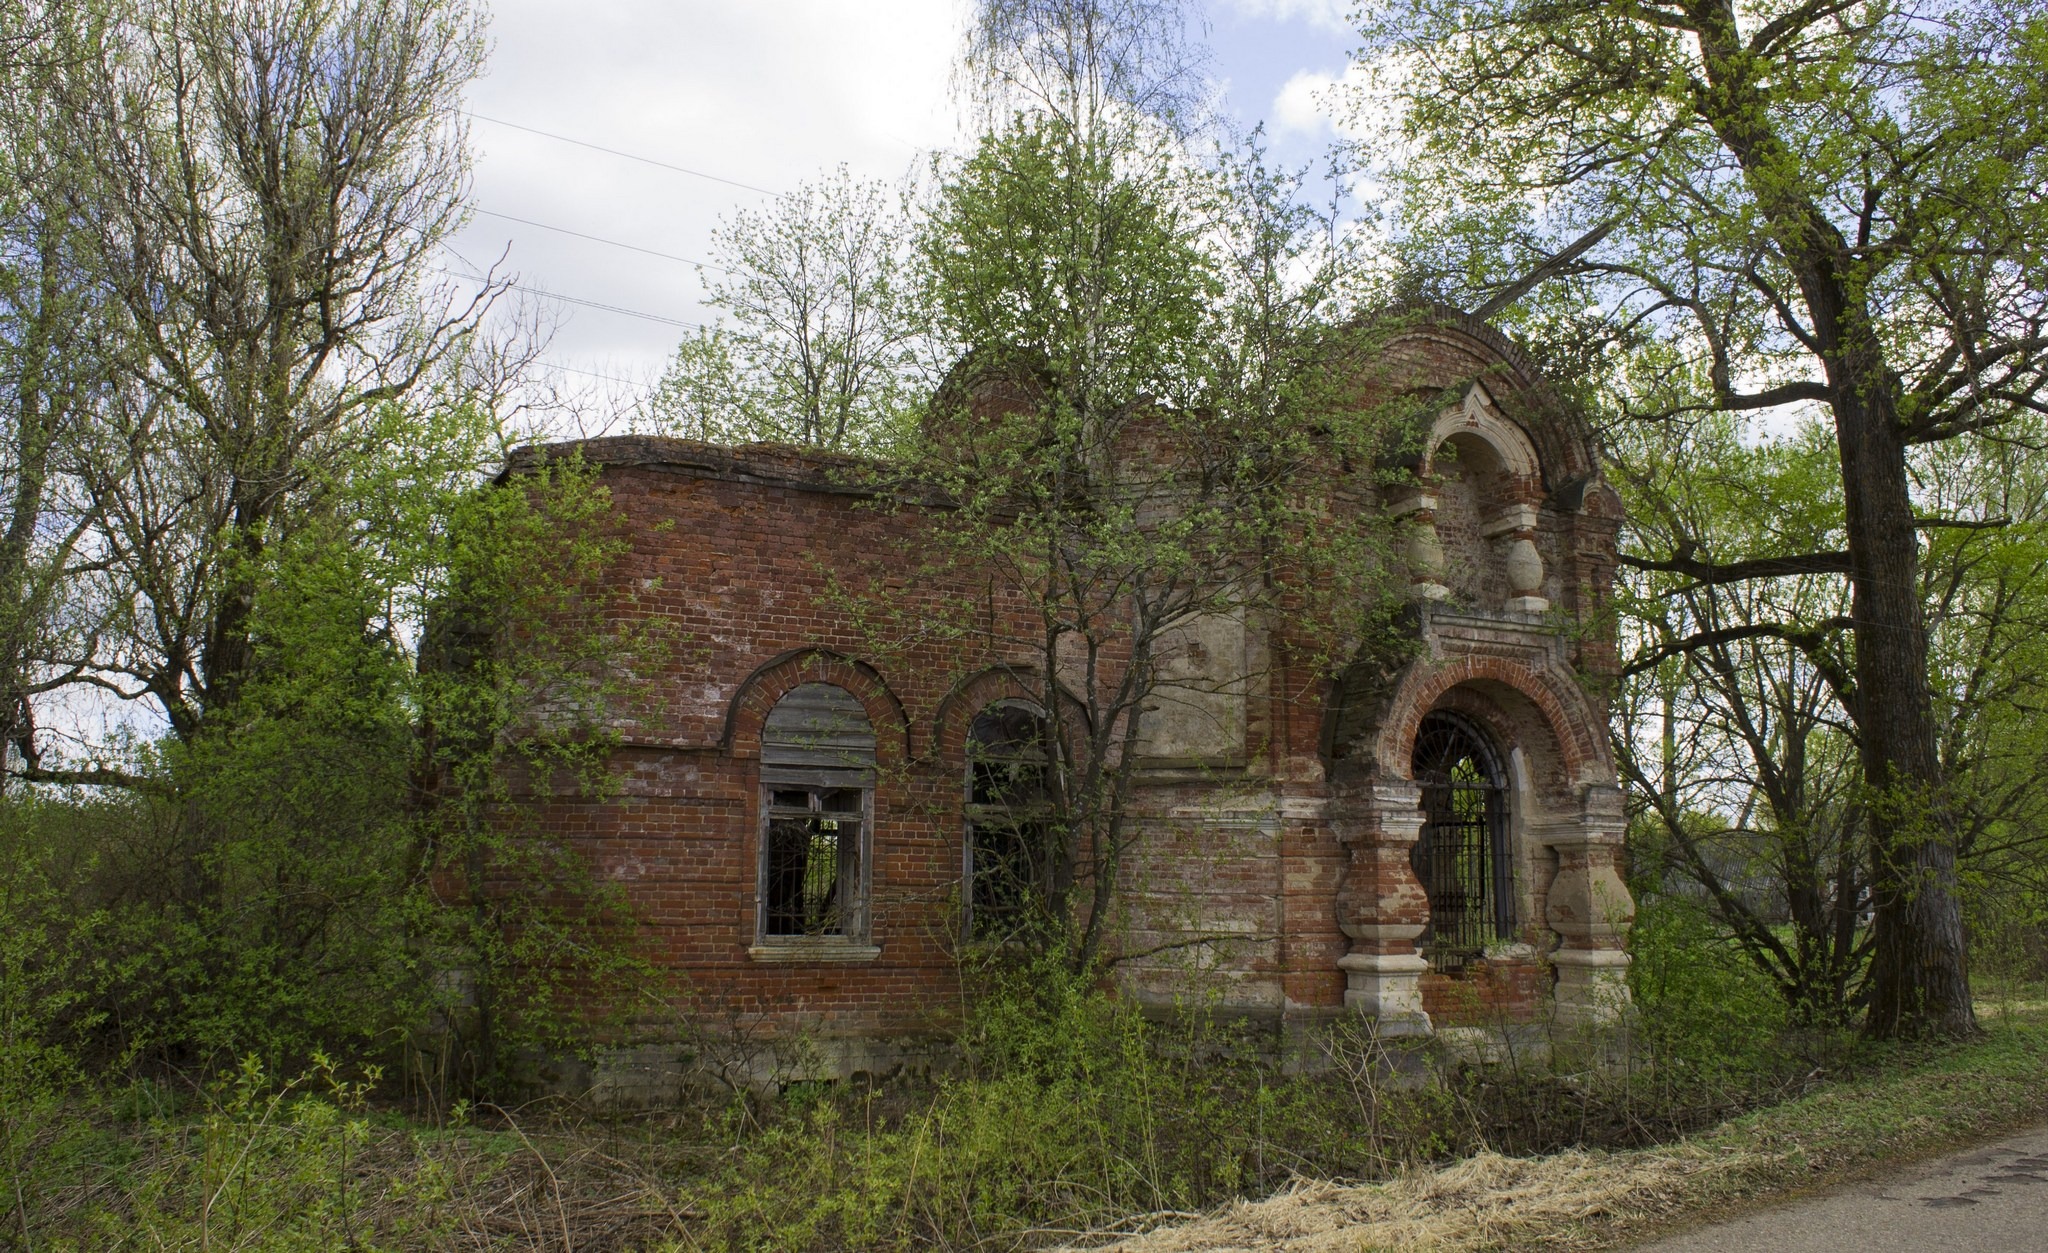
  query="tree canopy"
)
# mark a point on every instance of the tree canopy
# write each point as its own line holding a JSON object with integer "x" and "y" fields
{"x": 817, "y": 343}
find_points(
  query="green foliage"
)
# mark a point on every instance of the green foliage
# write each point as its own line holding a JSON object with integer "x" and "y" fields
{"x": 1701, "y": 1003}
{"x": 1987, "y": 591}
{"x": 818, "y": 344}
{"x": 1752, "y": 794}
{"x": 279, "y": 175}
{"x": 827, "y": 1166}
{"x": 1750, "y": 797}
{"x": 369, "y": 665}
{"x": 1151, "y": 430}
{"x": 1079, "y": 251}
{"x": 1068, "y": 1110}
{"x": 356, "y": 817}
{"x": 1071, "y": 1110}
{"x": 266, "y": 1163}
{"x": 255, "y": 1163}
{"x": 341, "y": 859}
{"x": 1718, "y": 144}
{"x": 1065, "y": 1109}
{"x": 48, "y": 977}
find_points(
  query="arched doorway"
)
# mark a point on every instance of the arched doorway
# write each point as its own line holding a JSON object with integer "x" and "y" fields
{"x": 1462, "y": 856}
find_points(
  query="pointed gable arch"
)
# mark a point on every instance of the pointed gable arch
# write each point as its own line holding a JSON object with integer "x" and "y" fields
{"x": 1489, "y": 383}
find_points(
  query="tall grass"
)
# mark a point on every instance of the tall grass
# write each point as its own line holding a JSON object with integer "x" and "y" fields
{"x": 1064, "y": 1110}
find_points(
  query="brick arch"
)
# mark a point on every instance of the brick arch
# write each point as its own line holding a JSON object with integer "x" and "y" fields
{"x": 1580, "y": 736}
{"x": 983, "y": 688}
{"x": 1475, "y": 416}
{"x": 1487, "y": 711}
{"x": 773, "y": 679}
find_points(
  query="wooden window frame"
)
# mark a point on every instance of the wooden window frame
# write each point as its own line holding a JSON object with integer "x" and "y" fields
{"x": 832, "y": 750}
{"x": 855, "y": 912}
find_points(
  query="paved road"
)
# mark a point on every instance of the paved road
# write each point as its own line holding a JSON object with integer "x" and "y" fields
{"x": 1991, "y": 1199}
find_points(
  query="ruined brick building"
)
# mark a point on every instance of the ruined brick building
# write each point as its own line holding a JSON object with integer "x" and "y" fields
{"x": 799, "y": 822}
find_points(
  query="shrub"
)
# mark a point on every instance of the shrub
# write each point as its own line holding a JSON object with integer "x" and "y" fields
{"x": 1069, "y": 1109}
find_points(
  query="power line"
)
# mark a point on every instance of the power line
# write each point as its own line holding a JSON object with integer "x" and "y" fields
{"x": 474, "y": 277}
{"x": 609, "y": 378}
{"x": 599, "y": 239}
{"x": 581, "y": 143}
{"x": 598, "y": 304}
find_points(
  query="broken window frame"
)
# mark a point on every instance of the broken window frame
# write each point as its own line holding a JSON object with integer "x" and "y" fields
{"x": 814, "y": 812}
{"x": 1027, "y": 820}
{"x": 817, "y": 775}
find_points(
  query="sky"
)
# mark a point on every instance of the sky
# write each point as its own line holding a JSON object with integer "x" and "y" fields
{"x": 762, "y": 94}
{"x": 758, "y": 95}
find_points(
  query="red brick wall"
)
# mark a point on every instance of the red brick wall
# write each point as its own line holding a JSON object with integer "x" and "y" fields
{"x": 760, "y": 576}
{"x": 763, "y": 568}
{"x": 1487, "y": 992}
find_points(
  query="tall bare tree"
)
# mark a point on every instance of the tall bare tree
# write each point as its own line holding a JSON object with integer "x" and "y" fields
{"x": 1747, "y": 800}
{"x": 54, "y": 369}
{"x": 265, "y": 186}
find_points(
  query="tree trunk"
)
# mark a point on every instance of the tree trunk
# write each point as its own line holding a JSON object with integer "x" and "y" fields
{"x": 39, "y": 412}
{"x": 1919, "y": 969}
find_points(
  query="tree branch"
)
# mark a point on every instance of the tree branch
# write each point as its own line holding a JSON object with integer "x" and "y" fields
{"x": 1805, "y": 638}
{"x": 1544, "y": 270}
{"x": 97, "y": 776}
{"x": 1714, "y": 574}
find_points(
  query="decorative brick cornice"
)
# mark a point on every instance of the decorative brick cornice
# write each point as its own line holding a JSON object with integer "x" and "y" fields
{"x": 770, "y": 465}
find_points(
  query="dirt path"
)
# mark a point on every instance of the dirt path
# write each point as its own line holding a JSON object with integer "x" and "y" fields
{"x": 1989, "y": 1199}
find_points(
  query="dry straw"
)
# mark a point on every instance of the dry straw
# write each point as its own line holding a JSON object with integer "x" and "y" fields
{"x": 1482, "y": 1202}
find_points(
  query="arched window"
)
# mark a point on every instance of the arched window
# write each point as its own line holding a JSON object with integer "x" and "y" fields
{"x": 1011, "y": 860}
{"x": 1462, "y": 856}
{"x": 817, "y": 801}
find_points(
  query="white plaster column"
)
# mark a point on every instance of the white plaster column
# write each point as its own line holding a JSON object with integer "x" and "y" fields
{"x": 1513, "y": 530}
{"x": 1382, "y": 907}
{"x": 1590, "y": 908}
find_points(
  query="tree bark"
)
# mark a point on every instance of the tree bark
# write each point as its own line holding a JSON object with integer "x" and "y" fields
{"x": 1919, "y": 968}
{"x": 40, "y": 411}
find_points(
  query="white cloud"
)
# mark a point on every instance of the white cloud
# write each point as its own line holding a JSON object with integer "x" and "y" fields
{"x": 764, "y": 94}
{"x": 1318, "y": 104}
{"x": 1303, "y": 104}
{"x": 768, "y": 95}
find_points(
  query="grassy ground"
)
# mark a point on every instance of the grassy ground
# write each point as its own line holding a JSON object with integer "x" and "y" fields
{"x": 1114, "y": 1140}
{"x": 1917, "y": 1103}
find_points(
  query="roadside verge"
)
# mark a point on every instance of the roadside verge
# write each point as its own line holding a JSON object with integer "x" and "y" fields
{"x": 1920, "y": 1101}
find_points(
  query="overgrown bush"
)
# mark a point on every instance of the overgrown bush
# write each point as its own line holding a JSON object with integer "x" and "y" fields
{"x": 1069, "y": 1110}
{"x": 1066, "y": 1109}
{"x": 344, "y": 855}
{"x": 2005, "y": 907}
{"x": 47, "y": 981}
{"x": 1700, "y": 1003}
